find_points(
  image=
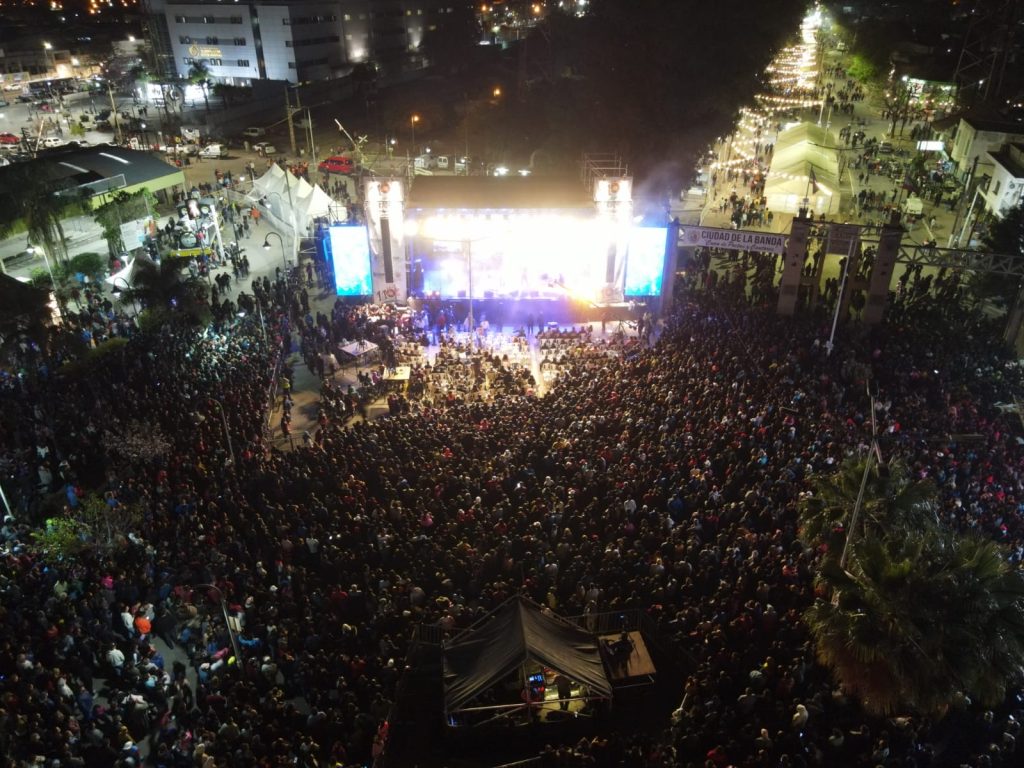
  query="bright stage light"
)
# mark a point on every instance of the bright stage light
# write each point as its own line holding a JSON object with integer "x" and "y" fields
{"x": 529, "y": 254}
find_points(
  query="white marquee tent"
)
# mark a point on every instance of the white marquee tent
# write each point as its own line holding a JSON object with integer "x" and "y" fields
{"x": 800, "y": 153}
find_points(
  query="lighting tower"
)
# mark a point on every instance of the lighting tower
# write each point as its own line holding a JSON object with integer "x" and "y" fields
{"x": 987, "y": 49}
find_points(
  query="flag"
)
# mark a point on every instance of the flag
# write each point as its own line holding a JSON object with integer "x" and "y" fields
{"x": 813, "y": 181}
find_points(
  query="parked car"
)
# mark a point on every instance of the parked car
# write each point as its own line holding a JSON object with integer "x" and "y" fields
{"x": 265, "y": 148}
{"x": 52, "y": 141}
{"x": 4, "y": 102}
{"x": 9, "y": 138}
{"x": 213, "y": 151}
{"x": 885, "y": 148}
{"x": 337, "y": 164}
{"x": 254, "y": 133}
{"x": 180, "y": 149}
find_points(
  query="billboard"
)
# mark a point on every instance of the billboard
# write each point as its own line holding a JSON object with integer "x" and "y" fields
{"x": 385, "y": 219}
{"x": 645, "y": 261}
{"x": 350, "y": 254}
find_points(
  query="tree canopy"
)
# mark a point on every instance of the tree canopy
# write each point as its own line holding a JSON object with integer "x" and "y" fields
{"x": 34, "y": 196}
{"x": 920, "y": 615}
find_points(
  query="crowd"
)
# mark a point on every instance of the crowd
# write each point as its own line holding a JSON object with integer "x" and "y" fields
{"x": 664, "y": 478}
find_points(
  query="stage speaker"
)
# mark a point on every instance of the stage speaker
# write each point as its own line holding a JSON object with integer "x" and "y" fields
{"x": 385, "y": 250}
{"x": 609, "y": 268}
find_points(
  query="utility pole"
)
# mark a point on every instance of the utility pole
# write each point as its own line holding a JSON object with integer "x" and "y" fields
{"x": 113, "y": 113}
{"x": 289, "y": 112}
{"x": 312, "y": 141}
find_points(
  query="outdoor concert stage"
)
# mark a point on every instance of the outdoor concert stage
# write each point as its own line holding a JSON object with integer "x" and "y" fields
{"x": 517, "y": 246}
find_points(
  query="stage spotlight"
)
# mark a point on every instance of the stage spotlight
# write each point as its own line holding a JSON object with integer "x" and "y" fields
{"x": 411, "y": 228}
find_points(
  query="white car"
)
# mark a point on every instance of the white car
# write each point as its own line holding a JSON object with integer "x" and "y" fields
{"x": 264, "y": 148}
{"x": 52, "y": 141}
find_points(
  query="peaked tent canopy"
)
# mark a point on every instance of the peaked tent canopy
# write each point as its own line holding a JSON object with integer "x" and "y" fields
{"x": 799, "y": 152}
{"x": 514, "y": 634}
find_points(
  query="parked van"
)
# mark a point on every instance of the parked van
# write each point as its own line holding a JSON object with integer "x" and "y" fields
{"x": 254, "y": 133}
{"x": 442, "y": 162}
{"x": 213, "y": 151}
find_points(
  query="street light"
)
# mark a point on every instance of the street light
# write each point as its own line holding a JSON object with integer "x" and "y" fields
{"x": 48, "y": 57}
{"x": 128, "y": 292}
{"x": 412, "y": 124}
{"x": 227, "y": 434}
{"x": 266, "y": 247}
{"x": 496, "y": 92}
{"x": 227, "y": 623}
{"x": 34, "y": 249}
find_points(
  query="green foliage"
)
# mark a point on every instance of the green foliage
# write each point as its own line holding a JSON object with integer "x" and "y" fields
{"x": 91, "y": 264}
{"x": 93, "y": 357}
{"x": 920, "y": 615}
{"x": 199, "y": 74}
{"x": 453, "y": 44}
{"x": 77, "y": 130}
{"x": 167, "y": 295}
{"x": 61, "y": 539}
{"x": 106, "y": 527}
{"x": 40, "y": 199}
{"x": 921, "y": 620}
{"x": 121, "y": 208}
{"x": 862, "y": 69}
{"x": 93, "y": 525}
{"x": 1005, "y": 236}
{"x": 39, "y": 277}
{"x": 894, "y": 502}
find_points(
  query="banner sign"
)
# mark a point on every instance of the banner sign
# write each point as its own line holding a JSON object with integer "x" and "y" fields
{"x": 385, "y": 221}
{"x": 732, "y": 239}
{"x": 842, "y": 238}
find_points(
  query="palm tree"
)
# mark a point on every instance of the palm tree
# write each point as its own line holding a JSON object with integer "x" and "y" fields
{"x": 199, "y": 74}
{"x": 921, "y": 620}
{"x": 166, "y": 293}
{"x": 893, "y": 501}
{"x": 39, "y": 199}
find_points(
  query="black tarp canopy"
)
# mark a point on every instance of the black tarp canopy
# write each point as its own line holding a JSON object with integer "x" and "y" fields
{"x": 516, "y": 633}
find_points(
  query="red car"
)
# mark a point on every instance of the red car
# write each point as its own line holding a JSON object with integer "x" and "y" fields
{"x": 9, "y": 138}
{"x": 337, "y": 164}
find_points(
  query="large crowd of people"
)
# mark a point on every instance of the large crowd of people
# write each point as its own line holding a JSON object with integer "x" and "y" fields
{"x": 664, "y": 478}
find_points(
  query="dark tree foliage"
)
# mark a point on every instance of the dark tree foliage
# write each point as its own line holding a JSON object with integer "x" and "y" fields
{"x": 1005, "y": 236}
{"x": 655, "y": 80}
{"x": 452, "y": 45}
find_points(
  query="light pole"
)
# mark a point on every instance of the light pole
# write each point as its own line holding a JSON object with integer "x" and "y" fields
{"x": 33, "y": 249}
{"x": 128, "y": 292}
{"x": 227, "y": 433}
{"x": 412, "y": 125}
{"x": 259, "y": 314}
{"x": 48, "y": 57}
{"x": 266, "y": 247}
{"x": 227, "y": 623}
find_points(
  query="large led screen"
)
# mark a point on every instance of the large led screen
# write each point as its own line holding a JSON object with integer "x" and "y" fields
{"x": 645, "y": 261}
{"x": 350, "y": 252}
{"x": 518, "y": 256}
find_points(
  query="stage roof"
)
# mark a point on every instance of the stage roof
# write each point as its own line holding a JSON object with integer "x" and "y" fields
{"x": 512, "y": 635}
{"x": 497, "y": 192}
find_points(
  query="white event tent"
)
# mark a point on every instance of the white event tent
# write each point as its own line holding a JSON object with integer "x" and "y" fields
{"x": 801, "y": 152}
